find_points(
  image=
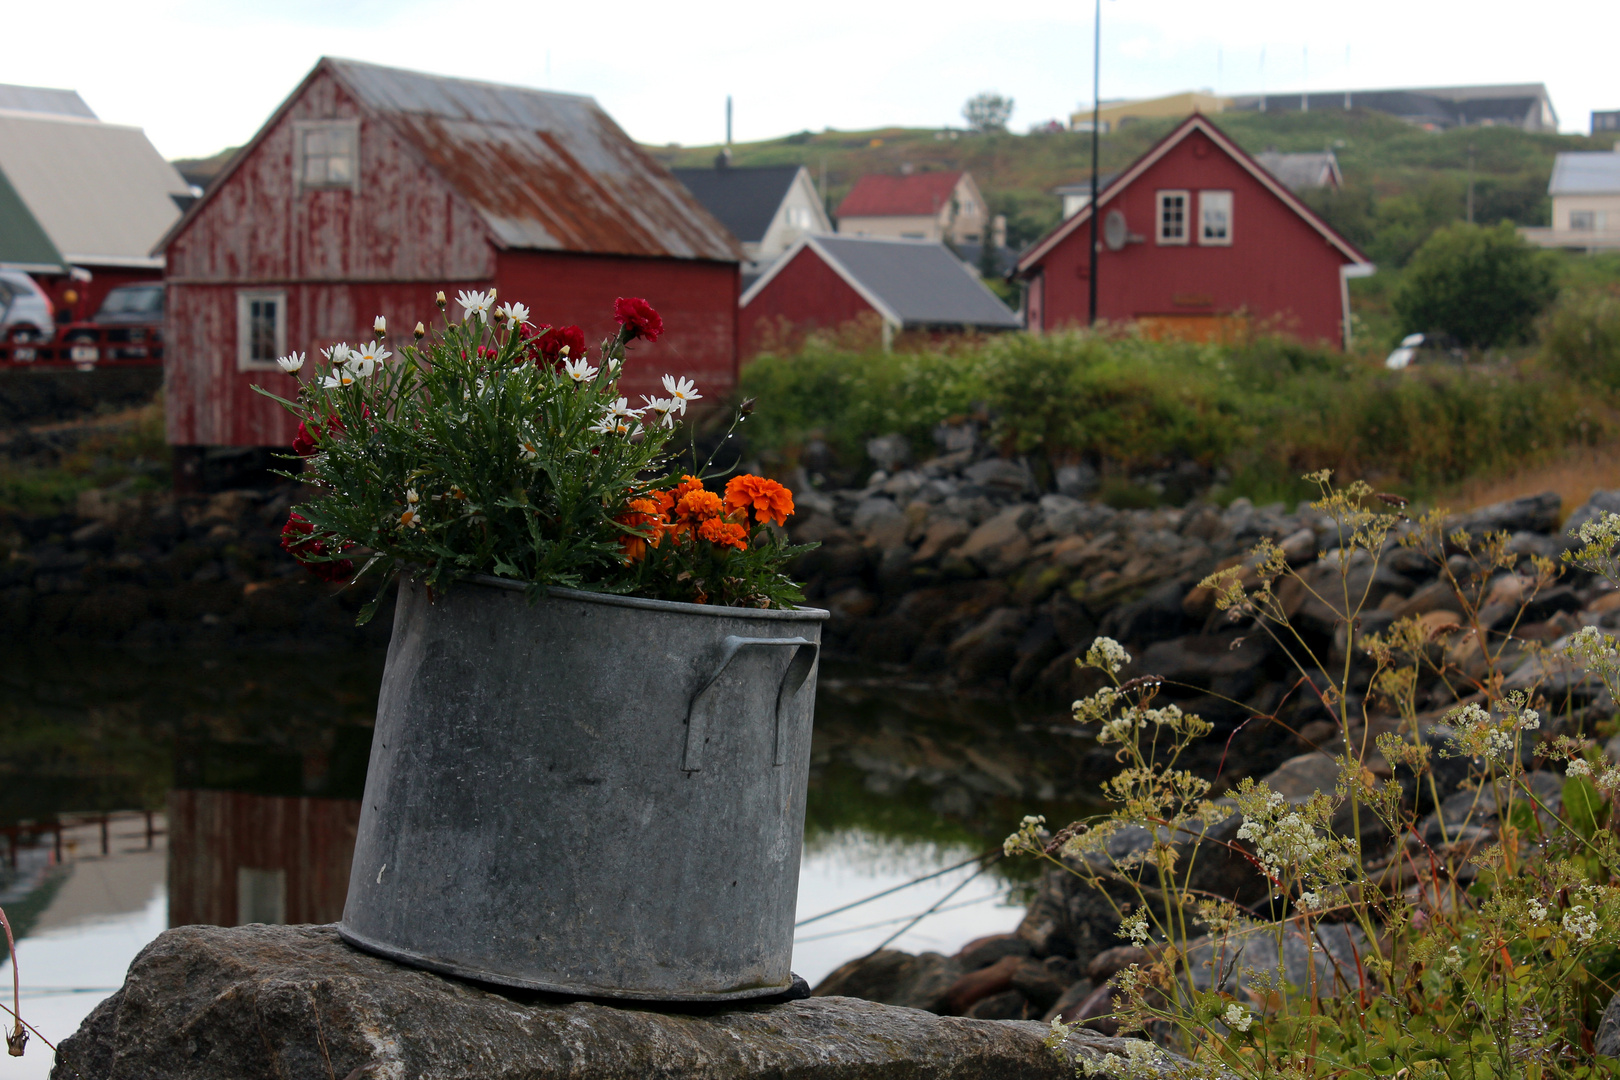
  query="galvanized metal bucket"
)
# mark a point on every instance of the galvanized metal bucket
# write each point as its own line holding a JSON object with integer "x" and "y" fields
{"x": 588, "y": 794}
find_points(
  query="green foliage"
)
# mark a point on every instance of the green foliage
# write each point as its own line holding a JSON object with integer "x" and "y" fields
{"x": 1422, "y": 175}
{"x": 1484, "y": 286}
{"x": 1265, "y": 410}
{"x": 1581, "y": 334}
{"x": 129, "y": 451}
{"x": 477, "y": 453}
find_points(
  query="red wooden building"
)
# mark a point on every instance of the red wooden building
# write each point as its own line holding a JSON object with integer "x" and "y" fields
{"x": 1196, "y": 240}
{"x": 372, "y": 188}
{"x": 825, "y": 282}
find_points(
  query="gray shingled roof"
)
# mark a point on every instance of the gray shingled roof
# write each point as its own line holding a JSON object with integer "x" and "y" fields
{"x": 922, "y": 284}
{"x": 744, "y": 198}
{"x": 1586, "y": 172}
{"x": 42, "y": 99}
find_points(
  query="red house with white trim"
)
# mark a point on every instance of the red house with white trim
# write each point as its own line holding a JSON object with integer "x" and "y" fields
{"x": 372, "y": 188}
{"x": 1196, "y": 240}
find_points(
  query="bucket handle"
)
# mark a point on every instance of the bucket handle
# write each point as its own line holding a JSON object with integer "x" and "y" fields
{"x": 793, "y": 679}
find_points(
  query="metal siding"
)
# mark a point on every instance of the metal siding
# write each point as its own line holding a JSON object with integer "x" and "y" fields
{"x": 1278, "y": 268}
{"x": 806, "y": 295}
{"x": 697, "y": 301}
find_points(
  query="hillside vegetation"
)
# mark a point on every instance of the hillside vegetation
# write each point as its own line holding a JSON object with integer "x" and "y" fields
{"x": 1401, "y": 182}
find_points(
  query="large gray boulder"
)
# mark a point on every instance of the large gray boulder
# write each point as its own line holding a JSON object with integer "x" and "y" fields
{"x": 272, "y": 1002}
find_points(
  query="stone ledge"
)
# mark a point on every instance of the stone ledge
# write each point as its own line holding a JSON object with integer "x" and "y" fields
{"x": 279, "y": 1002}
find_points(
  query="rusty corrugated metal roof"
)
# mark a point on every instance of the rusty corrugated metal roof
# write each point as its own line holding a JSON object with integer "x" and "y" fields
{"x": 547, "y": 171}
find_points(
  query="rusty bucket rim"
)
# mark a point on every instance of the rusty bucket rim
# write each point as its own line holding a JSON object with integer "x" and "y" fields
{"x": 462, "y": 971}
{"x": 796, "y": 614}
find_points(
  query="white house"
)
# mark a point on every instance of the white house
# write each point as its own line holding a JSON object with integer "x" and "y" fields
{"x": 767, "y": 208}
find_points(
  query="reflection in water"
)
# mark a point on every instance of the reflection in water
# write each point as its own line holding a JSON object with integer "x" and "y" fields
{"x": 258, "y": 760}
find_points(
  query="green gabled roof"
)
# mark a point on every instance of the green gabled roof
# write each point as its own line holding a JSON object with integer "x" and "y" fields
{"x": 22, "y": 240}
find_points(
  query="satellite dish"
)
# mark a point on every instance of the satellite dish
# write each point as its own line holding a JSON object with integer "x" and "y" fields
{"x": 1114, "y": 232}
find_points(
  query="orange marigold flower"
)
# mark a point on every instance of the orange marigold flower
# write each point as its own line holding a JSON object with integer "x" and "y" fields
{"x": 724, "y": 533}
{"x": 698, "y": 505}
{"x": 644, "y": 514}
{"x": 687, "y": 485}
{"x": 769, "y": 500}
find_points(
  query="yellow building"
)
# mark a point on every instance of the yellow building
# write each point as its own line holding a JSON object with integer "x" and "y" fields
{"x": 1114, "y": 113}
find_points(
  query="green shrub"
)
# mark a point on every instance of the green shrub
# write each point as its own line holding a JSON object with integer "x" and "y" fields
{"x": 1265, "y": 410}
{"x": 1581, "y": 334}
{"x": 1483, "y": 286}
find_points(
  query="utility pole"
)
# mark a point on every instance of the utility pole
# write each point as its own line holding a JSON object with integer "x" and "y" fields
{"x": 1096, "y": 118}
{"x": 1470, "y": 183}
{"x": 728, "y": 121}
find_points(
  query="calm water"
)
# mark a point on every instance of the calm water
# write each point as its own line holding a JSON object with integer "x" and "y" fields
{"x": 905, "y": 781}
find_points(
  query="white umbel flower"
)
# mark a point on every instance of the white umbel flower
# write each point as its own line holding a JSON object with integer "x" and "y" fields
{"x": 291, "y": 362}
{"x": 1237, "y": 1017}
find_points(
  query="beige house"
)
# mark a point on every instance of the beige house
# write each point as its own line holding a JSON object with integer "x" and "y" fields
{"x": 934, "y": 206}
{"x": 1585, "y": 190}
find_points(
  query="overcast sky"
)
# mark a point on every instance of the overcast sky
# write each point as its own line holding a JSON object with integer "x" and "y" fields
{"x": 200, "y": 75}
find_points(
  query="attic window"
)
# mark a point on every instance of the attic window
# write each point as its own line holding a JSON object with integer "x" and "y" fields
{"x": 326, "y": 153}
{"x": 1214, "y": 217}
{"x": 1172, "y": 217}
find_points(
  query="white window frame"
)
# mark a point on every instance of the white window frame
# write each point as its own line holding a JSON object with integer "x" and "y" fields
{"x": 303, "y": 128}
{"x": 1588, "y": 219}
{"x": 1159, "y": 201}
{"x": 244, "y": 320}
{"x": 1205, "y": 199}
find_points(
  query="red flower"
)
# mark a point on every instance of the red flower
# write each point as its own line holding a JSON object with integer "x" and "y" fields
{"x": 306, "y": 442}
{"x": 558, "y": 338}
{"x": 299, "y": 540}
{"x": 637, "y": 318}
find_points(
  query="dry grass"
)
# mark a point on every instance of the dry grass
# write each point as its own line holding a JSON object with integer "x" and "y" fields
{"x": 1574, "y": 476}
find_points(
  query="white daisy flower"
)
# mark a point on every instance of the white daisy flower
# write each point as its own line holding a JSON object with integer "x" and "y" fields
{"x": 528, "y": 449}
{"x": 663, "y": 410}
{"x": 339, "y": 377}
{"x": 683, "y": 390}
{"x": 475, "y": 303}
{"x": 411, "y": 517}
{"x": 379, "y": 326}
{"x": 579, "y": 370}
{"x": 336, "y": 354}
{"x": 518, "y": 313}
{"x": 291, "y": 362}
{"x": 621, "y": 410}
{"x": 606, "y": 425}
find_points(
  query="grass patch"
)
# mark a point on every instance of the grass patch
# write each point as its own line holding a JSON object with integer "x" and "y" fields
{"x": 64, "y": 460}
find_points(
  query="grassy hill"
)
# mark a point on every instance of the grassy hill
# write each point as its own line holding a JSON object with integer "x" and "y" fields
{"x": 1401, "y": 182}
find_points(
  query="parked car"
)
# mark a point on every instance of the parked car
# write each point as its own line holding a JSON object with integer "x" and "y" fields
{"x": 1424, "y": 349}
{"x": 26, "y": 316}
{"x": 127, "y": 328}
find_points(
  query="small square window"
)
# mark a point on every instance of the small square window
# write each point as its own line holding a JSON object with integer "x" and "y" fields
{"x": 261, "y": 330}
{"x": 326, "y": 153}
{"x": 1583, "y": 220}
{"x": 1171, "y": 226}
{"x": 1214, "y": 217}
